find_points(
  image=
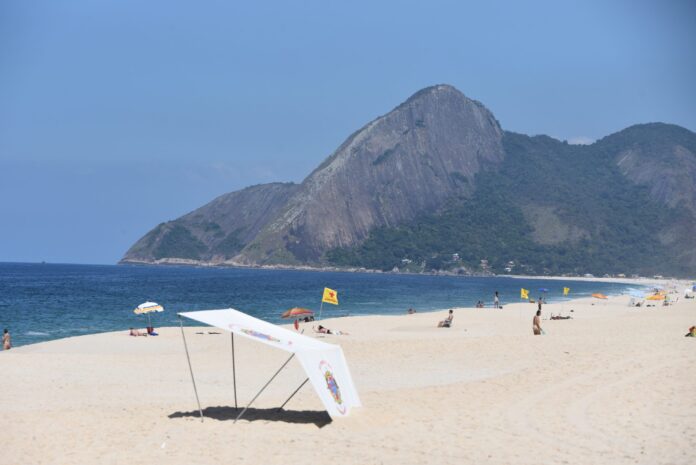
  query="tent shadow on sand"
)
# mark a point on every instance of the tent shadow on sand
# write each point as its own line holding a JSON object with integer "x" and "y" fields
{"x": 319, "y": 418}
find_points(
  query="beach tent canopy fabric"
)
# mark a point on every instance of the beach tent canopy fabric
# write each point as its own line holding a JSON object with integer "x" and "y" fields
{"x": 324, "y": 363}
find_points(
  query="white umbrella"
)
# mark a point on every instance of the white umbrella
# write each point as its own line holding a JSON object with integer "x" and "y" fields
{"x": 148, "y": 307}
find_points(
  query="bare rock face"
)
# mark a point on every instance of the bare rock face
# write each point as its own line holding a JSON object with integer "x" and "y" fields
{"x": 407, "y": 162}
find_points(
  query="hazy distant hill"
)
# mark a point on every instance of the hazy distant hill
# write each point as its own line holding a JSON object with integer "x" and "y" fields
{"x": 437, "y": 176}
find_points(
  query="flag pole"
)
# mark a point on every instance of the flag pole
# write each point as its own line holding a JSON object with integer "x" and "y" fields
{"x": 321, "y": 307}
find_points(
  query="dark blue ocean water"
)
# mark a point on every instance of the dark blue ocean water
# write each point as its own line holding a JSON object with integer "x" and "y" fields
{"x": 39, "y": 302}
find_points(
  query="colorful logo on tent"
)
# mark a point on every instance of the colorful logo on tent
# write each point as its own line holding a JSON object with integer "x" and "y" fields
{"x": 256, "y": 334}
{"x": 332, "y": 385}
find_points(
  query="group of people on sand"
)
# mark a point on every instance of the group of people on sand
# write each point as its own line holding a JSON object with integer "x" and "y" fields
{"x": 496, "y": 302}
{"x": 536, "y": 321}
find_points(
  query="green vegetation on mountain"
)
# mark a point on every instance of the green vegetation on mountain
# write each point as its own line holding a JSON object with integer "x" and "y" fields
{"x": 230, "y": 245}
{"x": 178, "y": 242}
{"x": 581, "y": 186}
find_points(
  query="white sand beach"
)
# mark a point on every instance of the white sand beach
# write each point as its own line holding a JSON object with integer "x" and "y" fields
{"x": 613, "y": 385}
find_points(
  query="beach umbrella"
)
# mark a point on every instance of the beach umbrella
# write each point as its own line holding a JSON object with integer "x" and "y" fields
{"x": 598, "y": 295}
{"x": 296, "y": 312}
{"x": 147, "y": 308}
{"x": 655, "y": 297}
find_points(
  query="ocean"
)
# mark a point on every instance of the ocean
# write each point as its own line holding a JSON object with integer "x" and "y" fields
{"x": 41, "y": 302}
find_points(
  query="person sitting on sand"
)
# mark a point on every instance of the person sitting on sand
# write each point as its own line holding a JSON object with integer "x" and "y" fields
{"x": 692, "y": 332}
{"x": 411, "y": 311}
{"x": 536, "y": 323}
{"x": 479, "y": 304}
{"x": 6, "y": 340}
{"x": 447, "y": 322}
{"x": 135, "y": 332}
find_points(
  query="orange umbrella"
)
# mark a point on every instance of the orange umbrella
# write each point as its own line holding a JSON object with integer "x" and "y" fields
{"x": 655, "y": 297}
{"x": 599, "y": 296}
{"x": 296, "y": 312}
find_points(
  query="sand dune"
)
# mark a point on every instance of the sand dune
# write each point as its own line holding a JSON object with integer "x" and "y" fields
{"x": 613, "y": 385}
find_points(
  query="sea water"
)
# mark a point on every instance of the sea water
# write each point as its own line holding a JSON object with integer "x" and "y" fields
{"x": 40, "y": 302}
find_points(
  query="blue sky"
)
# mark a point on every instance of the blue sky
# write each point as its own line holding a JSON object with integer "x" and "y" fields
{"x": 118, "y": 115}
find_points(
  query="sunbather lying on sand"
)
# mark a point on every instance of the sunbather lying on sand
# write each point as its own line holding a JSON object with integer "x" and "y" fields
{"x": 135, "y": 332}
{"x": 323, "y": 330}
{"x": 559, "y": 317}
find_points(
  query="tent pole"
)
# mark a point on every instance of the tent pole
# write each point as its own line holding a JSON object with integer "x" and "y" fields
{"x": 262, "y": 389}
{"x": 293, "y": 394}
{"x": 234, "y": 373}
{"x": 190, "y": 369}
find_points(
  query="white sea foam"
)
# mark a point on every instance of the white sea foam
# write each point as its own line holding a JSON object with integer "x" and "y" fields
{"x": 36, "y": 333}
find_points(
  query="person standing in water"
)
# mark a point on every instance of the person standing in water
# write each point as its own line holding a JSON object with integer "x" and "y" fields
{"x": 6, "y": 340}
{"x": 536, "y": 323}
{"x": 496, "y": 300}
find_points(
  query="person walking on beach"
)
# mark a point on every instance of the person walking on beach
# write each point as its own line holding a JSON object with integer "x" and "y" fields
{"x": 6, "y": 340}
{"x": 496, "y": 300}
{"x": 536, "y": 323}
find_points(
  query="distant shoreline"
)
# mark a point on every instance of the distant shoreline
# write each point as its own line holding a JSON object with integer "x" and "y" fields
{"x": 641, "y": 280}
{"x": 576, "y": 300}
{"x": 343, "y": 318}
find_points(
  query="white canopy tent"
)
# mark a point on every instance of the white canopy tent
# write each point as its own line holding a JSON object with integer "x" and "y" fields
{"x": 324, "y": 364}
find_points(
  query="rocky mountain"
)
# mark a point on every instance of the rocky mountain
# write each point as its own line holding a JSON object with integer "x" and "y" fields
{"x": 218, "y": 230}
{"x": 437, "y": 176}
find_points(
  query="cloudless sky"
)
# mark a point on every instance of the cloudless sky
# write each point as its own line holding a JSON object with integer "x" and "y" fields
{"x": 118, "y": 115}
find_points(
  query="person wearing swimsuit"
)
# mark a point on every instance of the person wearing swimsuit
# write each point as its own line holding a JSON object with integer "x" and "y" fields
{"x": 536, "y": 323}
{"x": 6, "y": 340}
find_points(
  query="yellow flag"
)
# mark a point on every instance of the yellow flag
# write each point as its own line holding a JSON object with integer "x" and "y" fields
{"x": 524, "y": 294}
{"x": 566, "y": 290}
{"x": 330, "y": 296}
